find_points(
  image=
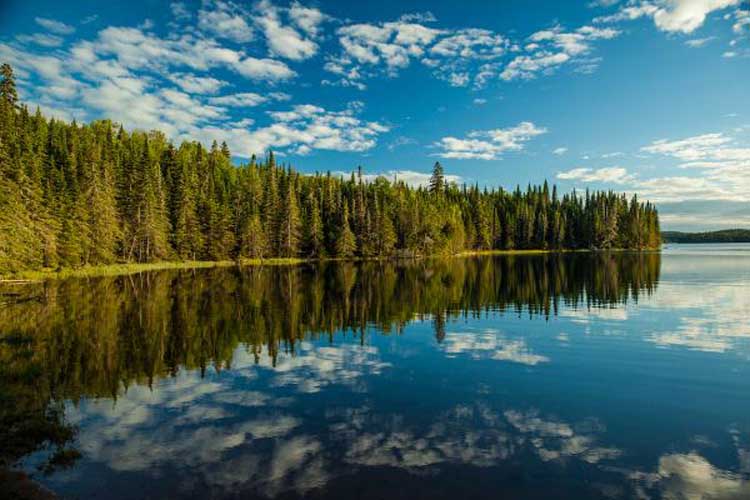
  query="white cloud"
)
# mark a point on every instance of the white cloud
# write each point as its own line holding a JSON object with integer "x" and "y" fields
{"x": 471, "y": 43}
{"x": 391, "y": 43}
{"x": 225, "y": 19}
{"x": 718, "y": 170}
{"x": 683, "y": 16}
{"x": 54, "y": 26}
{"x": 488, "y": 144}
{"x": 179, "y": 10}
{"x": 490, "y": 344}
{"x": 742, "y": 19}
{"x": 301, "y": 129}
{"x": 308, "y": 19}
{"x": 560, "y": 151}
{"x": 401, "y": 141}
{"x": 418, "y": 17}
{"x": 479, "y": 101}
{"x": 699, "y": 42}
{"x": 693, "y": 148}
{"x": 263, "y": 69}
{"x": 548, "y": 49}
{"x": 691, "y": 476}
{"x": 43, "y": 39}
{"x": 137, "y": 50}
{"x": 197, "y": 84}
{"x": 121, "y": 75}
{"x": 615, "y": 175}
{"x": 285, "y": 41}
{"x": 247, "y": 99}
{"x": 452, "y": 53}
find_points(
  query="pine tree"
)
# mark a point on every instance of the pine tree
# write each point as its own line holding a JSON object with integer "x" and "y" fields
{"x": 437, "y": 180}
{"x": 346, "y": 244}
{"x": 289, "y": 224}
{"x": 253, "y": 242}
{"x": 8, "y": 92}
{"x": 314, "y": 240}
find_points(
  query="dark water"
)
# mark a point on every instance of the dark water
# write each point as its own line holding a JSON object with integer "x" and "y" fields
{"x": 575, "y": 376}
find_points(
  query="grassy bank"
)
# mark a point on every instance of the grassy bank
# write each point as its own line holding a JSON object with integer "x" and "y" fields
{"x": 134, "y": 268}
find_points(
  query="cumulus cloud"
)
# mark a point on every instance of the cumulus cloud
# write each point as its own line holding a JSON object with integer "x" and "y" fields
{"x": 308, "y": 19}
{"x": 197, "y": 84}
{"x": 488, "y": 144}
{"x": 684, "y": 16}
{"x": 223, "y": 19}
{"x": 301, "y": 129}
{"x": 548, "y": 49}
{"x": 179, "y": 10}
{"x": 452, "y": 53}
{"x": 283, "y": 40}
{"x": 147, "y": 81}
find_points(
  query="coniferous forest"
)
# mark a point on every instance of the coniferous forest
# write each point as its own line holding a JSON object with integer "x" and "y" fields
{"x": 74, "y": 195}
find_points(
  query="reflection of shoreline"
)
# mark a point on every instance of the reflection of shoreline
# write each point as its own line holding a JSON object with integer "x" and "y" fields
{"x": 95, "y": 338}
{"x": 124, "y": 269}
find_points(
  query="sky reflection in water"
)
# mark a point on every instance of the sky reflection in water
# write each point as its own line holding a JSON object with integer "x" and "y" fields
{"x": 459, "y": 379}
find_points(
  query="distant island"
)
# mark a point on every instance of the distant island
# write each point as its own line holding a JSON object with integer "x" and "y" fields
{"x": 722, "y": 236}
{"x": 74, "y": 195}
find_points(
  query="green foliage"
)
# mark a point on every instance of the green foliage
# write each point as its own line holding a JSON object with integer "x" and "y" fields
{"x": 79, "y": 195}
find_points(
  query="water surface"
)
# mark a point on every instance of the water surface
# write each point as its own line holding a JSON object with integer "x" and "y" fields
{"x": 540, "y": 376}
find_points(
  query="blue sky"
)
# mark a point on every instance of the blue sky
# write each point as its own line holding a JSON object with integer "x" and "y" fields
{"x": 645, "y": 96}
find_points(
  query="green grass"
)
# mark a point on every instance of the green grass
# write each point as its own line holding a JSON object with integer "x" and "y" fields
{"x": 134, "y": 268}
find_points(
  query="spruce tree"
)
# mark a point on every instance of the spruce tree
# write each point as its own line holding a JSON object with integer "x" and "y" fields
{"x": 346, "y": 243}
{"x": 437, "y": 180}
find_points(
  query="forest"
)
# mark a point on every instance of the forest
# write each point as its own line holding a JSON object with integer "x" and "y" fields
{"x": 75, "y": 194}
{"x": 722, "y": 236}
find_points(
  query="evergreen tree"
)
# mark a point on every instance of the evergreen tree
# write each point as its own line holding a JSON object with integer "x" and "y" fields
{"x": 437, "y": 180}
{"x": 346, "y": 244}
{"x": 8, "y": 91}
{"x": 289, "y": 224}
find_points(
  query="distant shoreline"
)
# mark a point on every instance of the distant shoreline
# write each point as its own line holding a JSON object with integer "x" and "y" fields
{"x": 123, "y": 269}
{"x": 721, "y": 236}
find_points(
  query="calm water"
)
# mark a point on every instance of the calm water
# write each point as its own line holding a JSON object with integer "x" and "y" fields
{"x": 576, "y": 376}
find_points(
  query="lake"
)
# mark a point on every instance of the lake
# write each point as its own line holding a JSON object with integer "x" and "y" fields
{"x": 576, "y": 376}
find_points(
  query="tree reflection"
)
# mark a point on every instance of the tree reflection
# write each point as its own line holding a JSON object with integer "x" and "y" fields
{"x": 97, "y": 337}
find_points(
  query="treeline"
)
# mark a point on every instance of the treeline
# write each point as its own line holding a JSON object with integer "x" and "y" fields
{"x": 72, "y": 195}
{"x": 723, "y": 236}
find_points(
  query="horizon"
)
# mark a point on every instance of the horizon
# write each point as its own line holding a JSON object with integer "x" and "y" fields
{"x": 507, "y": 96}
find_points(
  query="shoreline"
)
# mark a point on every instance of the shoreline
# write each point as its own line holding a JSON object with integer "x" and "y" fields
{"x": 124, "y": 269}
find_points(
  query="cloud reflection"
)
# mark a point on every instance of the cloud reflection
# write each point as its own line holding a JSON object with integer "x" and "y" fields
{"x": 490, "y": 344}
